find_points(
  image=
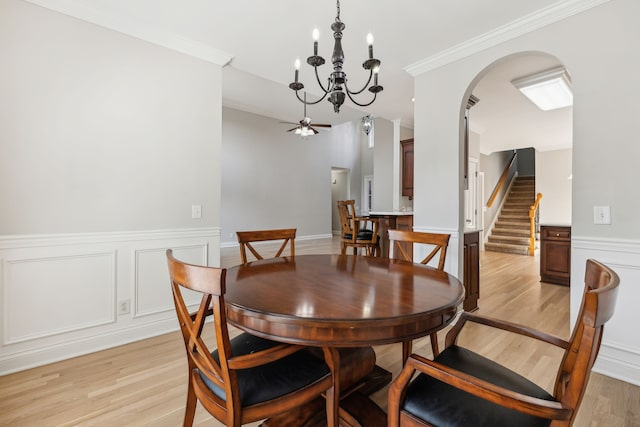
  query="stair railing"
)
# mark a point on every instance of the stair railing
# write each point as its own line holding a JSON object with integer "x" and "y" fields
{"x": 533, "y": 215}
{"x": 502, "y": 180}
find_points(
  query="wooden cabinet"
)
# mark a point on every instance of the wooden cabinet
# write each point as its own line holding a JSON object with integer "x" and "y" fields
{"x": 471, "y": 280}
{"x": 407, "y": 168}
{"x": 555, "y": 254}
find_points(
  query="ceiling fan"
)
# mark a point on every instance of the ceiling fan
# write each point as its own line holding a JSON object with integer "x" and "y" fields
{"x": 305, "y": 127}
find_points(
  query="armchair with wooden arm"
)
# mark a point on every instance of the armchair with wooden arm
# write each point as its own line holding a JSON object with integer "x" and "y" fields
{"x": 463, "y": 388}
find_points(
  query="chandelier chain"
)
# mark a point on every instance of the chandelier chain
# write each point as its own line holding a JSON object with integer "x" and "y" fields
{"x": 338, "y": 10}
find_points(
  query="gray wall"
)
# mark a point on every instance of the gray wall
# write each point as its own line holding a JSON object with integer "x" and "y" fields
{"x": 553, "y": 181}
{"x": 526, "y": 161}
{"x": 383, "y": 166}
{"x": 272, "y": 178}
{"x": 493, "y": 166}
{"x": 100, "y": 131}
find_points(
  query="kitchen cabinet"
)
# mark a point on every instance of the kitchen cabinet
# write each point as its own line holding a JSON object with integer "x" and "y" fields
{"x": 555, "y": 254}
{"x": 407, "y": 168}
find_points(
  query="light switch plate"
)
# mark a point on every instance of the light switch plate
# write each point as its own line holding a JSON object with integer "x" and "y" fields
{"x": 196, "y": 211}
{"x": 601, "y": 215}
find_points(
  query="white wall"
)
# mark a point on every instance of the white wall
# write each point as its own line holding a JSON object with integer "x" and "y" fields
{"x": 604, "y": 66}
{"x": 553, "y": 169}
{"x": 105, "y": 143}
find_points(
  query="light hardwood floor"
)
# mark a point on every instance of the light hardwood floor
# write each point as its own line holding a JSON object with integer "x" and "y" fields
{"x": 144, "y": 383}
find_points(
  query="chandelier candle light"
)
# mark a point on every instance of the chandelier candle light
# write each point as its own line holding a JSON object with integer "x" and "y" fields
{"x": 337, "y": 81}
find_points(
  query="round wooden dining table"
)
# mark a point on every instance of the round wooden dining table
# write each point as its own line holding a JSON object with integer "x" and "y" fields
{"x": 333, "y": 301}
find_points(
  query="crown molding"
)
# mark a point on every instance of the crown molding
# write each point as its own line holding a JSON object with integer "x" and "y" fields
{"x": 528, "y": 23}
{"x": 136, "y": 28}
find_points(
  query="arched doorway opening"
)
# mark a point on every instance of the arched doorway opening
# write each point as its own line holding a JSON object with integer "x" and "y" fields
{"x": 504, "y": 121}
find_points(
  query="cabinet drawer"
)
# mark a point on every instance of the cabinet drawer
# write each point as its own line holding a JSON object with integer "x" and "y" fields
{"x": 556, "y": 233}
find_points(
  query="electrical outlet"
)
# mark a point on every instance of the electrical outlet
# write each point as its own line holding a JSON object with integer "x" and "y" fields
{"x": 601, "y": 215}
{"x": 124, "y": 306}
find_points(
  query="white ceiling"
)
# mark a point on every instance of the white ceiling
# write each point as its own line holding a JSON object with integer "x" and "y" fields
{"x": 263, "y": 38}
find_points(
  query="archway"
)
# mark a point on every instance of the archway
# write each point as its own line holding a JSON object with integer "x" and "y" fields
{"x": 504, "y": 120}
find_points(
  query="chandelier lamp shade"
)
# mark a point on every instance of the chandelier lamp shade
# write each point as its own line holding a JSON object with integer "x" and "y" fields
{"x": 337, "y": 89}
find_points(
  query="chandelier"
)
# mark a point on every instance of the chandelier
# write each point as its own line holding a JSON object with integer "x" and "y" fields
{"x": 337, "y": 88}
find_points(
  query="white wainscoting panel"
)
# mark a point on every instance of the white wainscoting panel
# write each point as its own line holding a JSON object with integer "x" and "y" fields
{"x": 36, "y": 289}
{"x": 619, "y": 355}
{"x": 60, "y": 293}
{"x": 152, "y": 291}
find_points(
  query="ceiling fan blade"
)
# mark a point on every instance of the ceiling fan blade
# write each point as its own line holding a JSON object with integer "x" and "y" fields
{"x": 321, "y": 125}
{"x": 293, "y": 128}
{"x": 289, "y": 123}
{"x": 314, "y": 131}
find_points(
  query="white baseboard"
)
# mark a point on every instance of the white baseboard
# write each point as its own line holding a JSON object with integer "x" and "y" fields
{"x": 618, "y": 362}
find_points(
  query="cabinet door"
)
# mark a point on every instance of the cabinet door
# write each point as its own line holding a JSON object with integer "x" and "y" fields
{"x": 471, "y": 271}
{"x": 407, "y": 168}
{"x": 555, "y": 255}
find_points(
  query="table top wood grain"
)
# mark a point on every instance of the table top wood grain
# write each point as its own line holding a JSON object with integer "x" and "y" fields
{"x": 340, "y": 300}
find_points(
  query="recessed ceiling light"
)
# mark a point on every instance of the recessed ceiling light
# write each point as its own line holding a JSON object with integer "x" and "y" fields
{"x": 549, "y": 90}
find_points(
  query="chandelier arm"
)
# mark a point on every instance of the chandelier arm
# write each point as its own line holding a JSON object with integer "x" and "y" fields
{"x": 328, "y": 89}
{"x": 363, "y": 88}
{"x": 361, "y": 105}
{"x": 309, "y": 102}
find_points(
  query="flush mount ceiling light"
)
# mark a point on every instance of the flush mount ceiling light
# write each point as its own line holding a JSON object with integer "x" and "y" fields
{"x": 337, "y": 88}
{"x": 549, "y": 90}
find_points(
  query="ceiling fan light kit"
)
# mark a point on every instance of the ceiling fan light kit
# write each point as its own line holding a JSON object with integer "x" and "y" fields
{"x": 337, "y": 89}
{"x": 305, "y": 127}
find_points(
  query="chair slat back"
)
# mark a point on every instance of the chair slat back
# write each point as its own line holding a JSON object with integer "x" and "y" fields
{"x": 597, "y": 307}
{"x": 246, "y": 238}
{"x": 346, "y": 210}
{"x": 440, "y": 242}
{"x": 210, "y": 282}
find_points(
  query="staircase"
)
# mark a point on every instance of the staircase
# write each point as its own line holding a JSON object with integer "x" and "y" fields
{"x": 511, "y": 231}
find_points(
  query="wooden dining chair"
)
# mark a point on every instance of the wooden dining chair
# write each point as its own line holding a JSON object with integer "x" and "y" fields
{"x": 246, "y": 238}
{"x": 357, "y": 232}
{"x": 398, "y": 239}
{"x": 463, "y": 388}
{"x": 248, "y": 378}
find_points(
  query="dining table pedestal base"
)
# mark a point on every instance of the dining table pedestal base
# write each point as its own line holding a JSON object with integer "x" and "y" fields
{"x": 356, "y": 408}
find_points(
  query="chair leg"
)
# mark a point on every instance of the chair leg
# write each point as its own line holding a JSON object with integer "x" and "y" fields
{"x": 190, "y": 408}
{"x": 434, "y": 344}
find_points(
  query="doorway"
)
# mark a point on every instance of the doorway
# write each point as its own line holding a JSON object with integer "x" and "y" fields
{"x": 340, "y": 178}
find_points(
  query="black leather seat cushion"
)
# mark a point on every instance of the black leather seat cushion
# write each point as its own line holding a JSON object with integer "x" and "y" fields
{"x": 445, "y": 406}
{"x": 274, "y": 379}
{"x": 362, "y": 235}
